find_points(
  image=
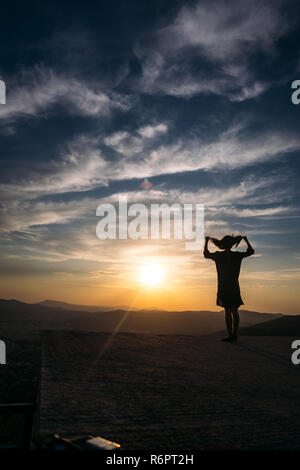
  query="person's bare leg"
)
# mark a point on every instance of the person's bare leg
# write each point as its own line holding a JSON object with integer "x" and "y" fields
{"x": 236, "y": 322}
{"x": 228, "y": 319}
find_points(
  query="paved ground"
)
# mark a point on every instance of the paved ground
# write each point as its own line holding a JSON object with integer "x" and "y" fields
{"x": 171, "y": 392}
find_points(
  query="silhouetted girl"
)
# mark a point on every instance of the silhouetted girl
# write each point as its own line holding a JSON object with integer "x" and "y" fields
{"x": 228, "y": 264}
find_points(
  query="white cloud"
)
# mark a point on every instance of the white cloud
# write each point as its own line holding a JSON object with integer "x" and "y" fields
{"x": 228, "y": 151}
{"x": 151, "y": 131}
{"x": 22, "y": 213}
{"x": 82, "y": 165}
{"x": 289, "y": 274}
{"x": 64, "y": 230}
{"x": 41, "y": 88}
{"x": 247, "y": 92}
{"x": 224, "y": 30}
{"x": 131, "y": 144}
{"x": 222, "y": 36}
{"x": 124, "y": 143}
{"x": 256, "y": 212}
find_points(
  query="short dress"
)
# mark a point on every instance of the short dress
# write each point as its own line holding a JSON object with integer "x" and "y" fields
{"x": 228, "y": 264}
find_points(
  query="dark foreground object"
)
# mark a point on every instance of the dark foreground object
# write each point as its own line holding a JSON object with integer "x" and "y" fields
{"x": 164, "y": 392}
{"x": 85, "y": 442}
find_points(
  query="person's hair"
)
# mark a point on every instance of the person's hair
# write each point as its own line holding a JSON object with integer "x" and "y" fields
{"x": 227, "y": 242}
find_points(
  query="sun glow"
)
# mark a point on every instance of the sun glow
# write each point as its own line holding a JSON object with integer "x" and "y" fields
{"x": 151, "y": 275}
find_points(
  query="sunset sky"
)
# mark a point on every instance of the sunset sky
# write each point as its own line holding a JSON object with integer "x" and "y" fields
{"x": 196, "y": 97}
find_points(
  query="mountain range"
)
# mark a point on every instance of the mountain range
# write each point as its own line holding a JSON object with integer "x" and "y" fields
{"x": 19, "y": 319}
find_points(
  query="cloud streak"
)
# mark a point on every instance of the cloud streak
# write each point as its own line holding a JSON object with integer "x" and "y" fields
{"x": 83, "y": 164}
{"x": 40, "y": 88}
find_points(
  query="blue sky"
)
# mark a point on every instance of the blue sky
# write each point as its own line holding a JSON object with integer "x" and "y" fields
{"x": 195, "y": 96}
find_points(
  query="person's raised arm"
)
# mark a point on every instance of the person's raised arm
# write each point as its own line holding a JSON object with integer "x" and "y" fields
{"x": 206, "y": 252}
{"x": 250, "y": 250}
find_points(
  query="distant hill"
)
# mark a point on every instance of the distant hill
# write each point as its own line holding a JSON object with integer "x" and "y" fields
{"x": 286, "y": 325}
{"x": 19, "y": 319}
{"x": 83, "y": 308}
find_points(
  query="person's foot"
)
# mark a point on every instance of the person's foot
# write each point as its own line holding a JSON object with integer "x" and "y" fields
{"x": 233, "y": 338}
{"x": 228, "y": 339}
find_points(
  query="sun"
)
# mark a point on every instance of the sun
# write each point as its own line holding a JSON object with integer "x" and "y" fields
{"x": 151, "y": 274}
